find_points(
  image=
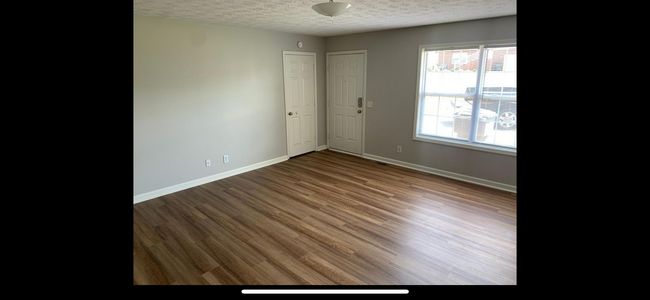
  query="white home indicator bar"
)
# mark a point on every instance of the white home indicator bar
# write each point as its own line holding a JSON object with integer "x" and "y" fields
{"x": 325, "y": 291}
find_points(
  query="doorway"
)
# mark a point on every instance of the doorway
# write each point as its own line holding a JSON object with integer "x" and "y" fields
{"x": 346, "y": 101}
{"x": 300, "y": 101}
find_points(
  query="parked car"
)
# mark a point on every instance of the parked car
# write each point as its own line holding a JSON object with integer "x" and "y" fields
{"x": 503, "y": 112}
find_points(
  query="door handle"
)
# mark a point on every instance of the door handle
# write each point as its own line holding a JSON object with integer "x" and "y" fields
{"x": 359, "y": 102}
{"x": 359, "y": 111}
{"x": 290, "y": 113}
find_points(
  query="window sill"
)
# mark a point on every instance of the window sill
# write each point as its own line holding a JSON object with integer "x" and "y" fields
{"x": 467, "y": 145}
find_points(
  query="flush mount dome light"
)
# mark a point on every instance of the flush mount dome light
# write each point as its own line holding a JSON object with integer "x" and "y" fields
{"x": 331, "y": 9}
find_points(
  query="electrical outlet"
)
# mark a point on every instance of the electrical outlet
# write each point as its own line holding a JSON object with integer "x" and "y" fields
{"x": 207, "y": 162}
{"x": 399, "y": 149}
{"x": 225, "y": 159}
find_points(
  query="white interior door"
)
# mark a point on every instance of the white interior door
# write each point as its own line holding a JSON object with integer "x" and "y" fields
{"x": 346, "y": 84}
{"x": 300, "y": 100}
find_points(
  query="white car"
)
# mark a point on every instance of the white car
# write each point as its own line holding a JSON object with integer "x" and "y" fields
{"x": 503, "y": 112}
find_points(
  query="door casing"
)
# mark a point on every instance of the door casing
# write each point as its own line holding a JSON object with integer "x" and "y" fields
{"x": 327, "y": 89}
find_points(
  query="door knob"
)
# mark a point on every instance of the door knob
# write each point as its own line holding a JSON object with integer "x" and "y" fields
{"x": 290, "y": 113}
{"x": 358, "y": 111}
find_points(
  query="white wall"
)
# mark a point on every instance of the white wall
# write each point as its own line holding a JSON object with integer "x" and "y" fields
{"x": 201, "y": 91}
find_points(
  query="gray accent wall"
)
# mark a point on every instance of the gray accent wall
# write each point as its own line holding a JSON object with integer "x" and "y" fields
{"x": 201, "y": 91}
{"x": 391, "y": 85}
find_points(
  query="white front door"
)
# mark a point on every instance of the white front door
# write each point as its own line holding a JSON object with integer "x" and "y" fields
{"x": 346, "y": 84}
{"x": 300, "y": 100}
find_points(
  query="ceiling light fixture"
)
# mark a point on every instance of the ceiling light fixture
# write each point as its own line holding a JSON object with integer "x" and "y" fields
{"x": 331, "y": 9}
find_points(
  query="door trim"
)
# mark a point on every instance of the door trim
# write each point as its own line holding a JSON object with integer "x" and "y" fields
{"x": 327, "y": 95}
{"x": 284, "y": 108}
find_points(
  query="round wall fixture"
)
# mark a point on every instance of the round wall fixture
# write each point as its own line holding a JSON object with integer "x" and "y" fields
{"x": 299, "y": 44}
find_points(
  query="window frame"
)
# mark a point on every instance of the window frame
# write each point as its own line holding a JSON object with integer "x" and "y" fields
{"x": 419, "y": 95}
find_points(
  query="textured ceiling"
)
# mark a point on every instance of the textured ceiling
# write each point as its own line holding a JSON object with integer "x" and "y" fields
{"x": 296, "y": 16}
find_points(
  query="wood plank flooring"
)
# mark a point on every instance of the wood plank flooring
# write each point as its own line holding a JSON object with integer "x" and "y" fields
{"x": 327, "y": 218}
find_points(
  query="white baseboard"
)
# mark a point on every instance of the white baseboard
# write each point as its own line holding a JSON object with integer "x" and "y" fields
{"x": 204, "y": 180}
{"x": 345, "y": 152}
{"x": 461, "y": 177}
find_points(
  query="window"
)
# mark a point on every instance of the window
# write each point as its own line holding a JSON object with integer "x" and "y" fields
{"x": 449, "y": 108}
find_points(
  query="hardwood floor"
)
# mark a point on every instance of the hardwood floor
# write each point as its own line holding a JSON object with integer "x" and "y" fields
{"x": 328, "y": 218}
